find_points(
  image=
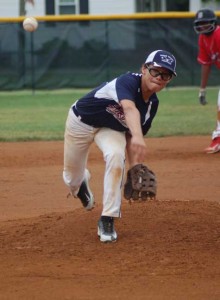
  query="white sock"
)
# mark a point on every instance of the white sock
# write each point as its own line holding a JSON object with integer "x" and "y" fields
{"x": 218, "y": 103}
{"x": 218, "y": 125}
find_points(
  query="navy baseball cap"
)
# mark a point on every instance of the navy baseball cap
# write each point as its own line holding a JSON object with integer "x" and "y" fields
{"x": 162, "y": 58}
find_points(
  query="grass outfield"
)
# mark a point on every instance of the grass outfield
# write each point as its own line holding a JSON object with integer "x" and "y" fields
{"x": 41, "y": 115}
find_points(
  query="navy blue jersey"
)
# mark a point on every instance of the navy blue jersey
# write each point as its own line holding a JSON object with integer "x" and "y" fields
{"x": 101, "y": 107}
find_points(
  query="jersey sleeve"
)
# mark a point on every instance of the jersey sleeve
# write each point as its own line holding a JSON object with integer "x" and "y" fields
{"x": 126, "y": 87}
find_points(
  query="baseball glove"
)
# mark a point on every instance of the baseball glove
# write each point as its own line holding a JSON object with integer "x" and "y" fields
{"x": 141, "y": 183}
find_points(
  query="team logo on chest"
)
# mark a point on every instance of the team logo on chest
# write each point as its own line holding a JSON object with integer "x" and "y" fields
{"x": 117, "y": 113}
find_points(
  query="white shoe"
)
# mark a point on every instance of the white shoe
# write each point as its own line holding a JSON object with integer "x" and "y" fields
{"x": 106, "y": 231}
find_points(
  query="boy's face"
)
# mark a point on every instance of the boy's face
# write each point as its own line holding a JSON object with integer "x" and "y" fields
{"x": 155, "y": 78}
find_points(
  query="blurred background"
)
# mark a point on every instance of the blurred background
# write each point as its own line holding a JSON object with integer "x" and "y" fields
{"x": 80, "y": 43}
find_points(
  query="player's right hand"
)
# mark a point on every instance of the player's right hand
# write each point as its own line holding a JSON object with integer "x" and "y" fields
{"x": 202, "y": 97}
{"x": 139, "y": 149}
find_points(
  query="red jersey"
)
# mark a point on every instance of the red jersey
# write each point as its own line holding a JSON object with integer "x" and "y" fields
{"x": 209, "y": 48}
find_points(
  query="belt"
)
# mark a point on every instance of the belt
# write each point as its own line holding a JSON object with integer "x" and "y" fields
{"x": 75, "y": 111}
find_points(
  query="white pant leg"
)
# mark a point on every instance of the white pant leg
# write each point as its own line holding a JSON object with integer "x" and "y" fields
{"x": 112, "y": 143}
{"x": 77, "y": 139}
{"x": 216, "y": 132}
{"x": 218, "y": 102}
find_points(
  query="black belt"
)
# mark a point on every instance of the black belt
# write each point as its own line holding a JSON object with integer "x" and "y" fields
{"x": 78, "y": 115}
{"x": 75, "y": 111}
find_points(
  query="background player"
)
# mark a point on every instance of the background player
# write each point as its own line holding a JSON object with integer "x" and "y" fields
{"x": 205, "y": 24}
{"x": 116, "y": 116}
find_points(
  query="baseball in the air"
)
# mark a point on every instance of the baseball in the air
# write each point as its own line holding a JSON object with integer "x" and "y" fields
{"x": 30, "y": 24}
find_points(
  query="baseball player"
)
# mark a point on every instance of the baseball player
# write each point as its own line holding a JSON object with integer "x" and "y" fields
{"x": 116, "y": 115}
{"x": 205, "y": 24}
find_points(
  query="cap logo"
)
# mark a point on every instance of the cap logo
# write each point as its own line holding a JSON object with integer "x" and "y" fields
{"x": 200, "y": 15}
{"x": 162, "y": 58}
{"x": 167, "y": 59}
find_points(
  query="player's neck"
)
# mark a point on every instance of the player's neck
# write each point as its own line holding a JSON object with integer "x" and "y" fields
{"x": 146, "y": 95}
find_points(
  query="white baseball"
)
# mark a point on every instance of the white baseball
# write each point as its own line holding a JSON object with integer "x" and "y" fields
{"x": 30, "y": 24}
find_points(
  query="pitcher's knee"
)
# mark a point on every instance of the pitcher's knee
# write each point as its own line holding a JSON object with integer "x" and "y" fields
{"x": 115, "y": 158}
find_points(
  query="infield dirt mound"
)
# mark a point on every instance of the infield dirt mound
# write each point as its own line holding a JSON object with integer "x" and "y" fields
{"x": 167, "y": 249}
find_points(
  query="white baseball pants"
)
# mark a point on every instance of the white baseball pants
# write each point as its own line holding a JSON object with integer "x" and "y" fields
{"x": 77, "y": 140}
{"x": 216, "y": 132}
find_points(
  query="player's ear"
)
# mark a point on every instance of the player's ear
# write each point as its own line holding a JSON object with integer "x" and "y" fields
{"x": 143, "y": 68}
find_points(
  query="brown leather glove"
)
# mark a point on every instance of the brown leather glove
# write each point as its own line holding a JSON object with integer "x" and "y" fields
{"x": 141, "y": 184}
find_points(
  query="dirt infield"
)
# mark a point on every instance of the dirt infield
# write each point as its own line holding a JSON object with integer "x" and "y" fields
{"x": 167, "y": 249}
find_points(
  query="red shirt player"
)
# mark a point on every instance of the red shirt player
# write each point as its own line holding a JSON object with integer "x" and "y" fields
{"x": 205, "y": 24}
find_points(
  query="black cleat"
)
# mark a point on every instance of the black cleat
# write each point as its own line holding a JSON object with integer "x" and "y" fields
{"x": 106, "y": 231}
{"x": 85, "y": 195}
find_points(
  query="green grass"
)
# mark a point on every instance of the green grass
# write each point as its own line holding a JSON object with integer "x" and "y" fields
{"x": 181, "y": 114}
{"x": 41, "y": 115}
